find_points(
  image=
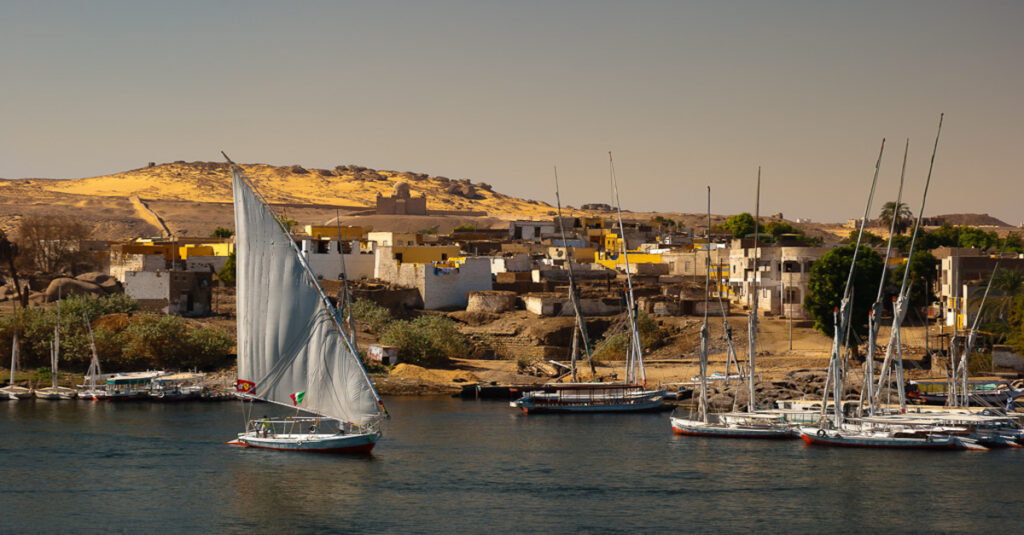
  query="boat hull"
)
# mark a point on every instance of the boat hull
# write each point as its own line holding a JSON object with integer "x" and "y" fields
{"x": 653, "y": 406}
{"x": 15, "y": 393}
{"x": 311, "y": 443}
{"x": 55, "y": 394}
{"x": 576, "y": 398}
{"x": 700, "y": 429}
{"x": 860, "y": 441}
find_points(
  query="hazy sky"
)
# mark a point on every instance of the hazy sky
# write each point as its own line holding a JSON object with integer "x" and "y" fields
{"x": 684, "y": 93}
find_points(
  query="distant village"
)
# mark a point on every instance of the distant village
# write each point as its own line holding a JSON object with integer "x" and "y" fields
{"x": 522, "y": 266}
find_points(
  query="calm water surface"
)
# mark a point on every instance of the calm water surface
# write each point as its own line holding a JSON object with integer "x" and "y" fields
{"x": 449, "y": 466}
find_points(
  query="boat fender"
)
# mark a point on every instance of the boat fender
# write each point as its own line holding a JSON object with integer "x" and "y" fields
{"x": 927, "y": 438}
{"x": 821, "y": 432}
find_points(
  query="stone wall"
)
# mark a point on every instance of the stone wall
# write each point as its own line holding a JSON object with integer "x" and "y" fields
{"x": 494, "y": 302}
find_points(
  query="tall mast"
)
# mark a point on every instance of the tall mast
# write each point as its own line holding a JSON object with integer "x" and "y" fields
{"x": 752, "y": 321}
{"x": 875, "y": 315}
{"x": 574, "y": 298}
{"x": 727, "y": 330}
{"x": 841, "y": 316}
{"x": 900, "y": 310}
{"x": 94, "y": 366}
{"x": 704, "y": 335}
{"x": 964, "y": 393}
{"x": 54, "y": 363}
{"x": 347, "y": 295}
{"x": 637, "y": 359}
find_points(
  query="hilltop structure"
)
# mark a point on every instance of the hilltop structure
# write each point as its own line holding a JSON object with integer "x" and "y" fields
{"x": 401, "y": 202}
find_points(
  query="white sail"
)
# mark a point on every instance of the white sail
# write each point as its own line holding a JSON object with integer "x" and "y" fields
{"x": 288, "y": 341}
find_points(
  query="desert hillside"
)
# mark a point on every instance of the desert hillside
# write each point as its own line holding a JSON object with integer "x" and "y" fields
{"x": 193, "y": 198}
{"x": 350, "y": 185}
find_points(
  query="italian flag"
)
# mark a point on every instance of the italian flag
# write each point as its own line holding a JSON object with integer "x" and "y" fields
{"x": 297, "y": 397}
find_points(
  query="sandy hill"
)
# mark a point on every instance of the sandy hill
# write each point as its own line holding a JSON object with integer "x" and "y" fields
{"x": 193, "y": 198}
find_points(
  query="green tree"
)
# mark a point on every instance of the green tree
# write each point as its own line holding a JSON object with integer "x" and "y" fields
{"x": 902, "y": 214}
{"x": 869, "y": 238}
{"x": 975, "y": 237}
{"x": 826, "y": 282}
{"x": 227, "y": 273}
{"x": 1015, "y": 321}
{"x": 221, "y": 232}
{"x": 923, "y": 273}
{"x": 430, "y": 340}
{"x": 374, "y": 315}
{"x": 740, "y": 225}
{"x": 1007, "y": 286}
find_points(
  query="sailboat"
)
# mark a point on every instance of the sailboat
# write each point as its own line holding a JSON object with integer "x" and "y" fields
{"x": 292, "y": 350}
{"x": 55, "y": 391}
{"x": 576, "y": 396}
{"x": 90, "y": 390}
{"x": 750, "y": 424}
{"x": 12, "y": 391}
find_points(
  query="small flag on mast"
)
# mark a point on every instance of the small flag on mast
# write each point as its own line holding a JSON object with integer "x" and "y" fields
{"x": 297, "y": 397}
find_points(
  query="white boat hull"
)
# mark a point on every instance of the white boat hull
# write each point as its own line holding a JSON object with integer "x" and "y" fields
{"x": 314, "y": 443}
{"x": 15, "y": 393}
{"x": 819, "y": 437}
{"x": 55, "y": 394}
{"x": 698, "y": 428}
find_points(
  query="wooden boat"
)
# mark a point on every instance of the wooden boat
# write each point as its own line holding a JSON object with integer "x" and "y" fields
{"x": 292, "y": 350}
{"x": 132, "y": 386}
{"x": 860, "y": 439}
{"x": 736, "y": 425}
{"x": 590, "y": 397}
{"x": 177, "y": 387}
{"x": 982, "y": 391}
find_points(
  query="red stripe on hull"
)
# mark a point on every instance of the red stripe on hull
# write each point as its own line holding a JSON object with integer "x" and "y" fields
{"x": 362, "y": 449}
{"x": 818, "y": 442}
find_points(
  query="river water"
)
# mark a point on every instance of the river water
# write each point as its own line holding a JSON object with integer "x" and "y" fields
{"x": 452, "y": 466}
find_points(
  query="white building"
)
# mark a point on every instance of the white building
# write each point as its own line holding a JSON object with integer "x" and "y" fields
{"x": 530, "y": 230}
{"x": 782, "y": 274}
{"x": 440, "y": 284}
{"x": 325, "y": 259}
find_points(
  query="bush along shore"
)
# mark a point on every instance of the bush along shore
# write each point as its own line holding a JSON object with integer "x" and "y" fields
{"x": 126, "y": 339}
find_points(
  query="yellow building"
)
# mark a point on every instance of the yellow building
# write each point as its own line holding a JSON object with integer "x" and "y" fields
{"x": 347, "y": 233}
{"x": 424, "y": 254}
{"x": 206, "y": 249}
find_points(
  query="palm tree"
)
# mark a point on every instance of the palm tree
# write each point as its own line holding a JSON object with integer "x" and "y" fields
{"x": 903, "y": 216}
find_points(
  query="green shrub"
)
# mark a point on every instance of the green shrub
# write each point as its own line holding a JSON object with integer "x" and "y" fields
{"x": 428, "y": 340}
{"x": 227, "y": 273}
{"x": 141, "y": 341}
{"x": 369, "y": 312}
{"x": 614, "y": 344}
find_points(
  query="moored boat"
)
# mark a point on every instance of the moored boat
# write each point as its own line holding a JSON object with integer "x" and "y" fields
{"x": 590, "y": 397}
{"x": 881, "y": 439}
{"x": 12, "y": 391}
